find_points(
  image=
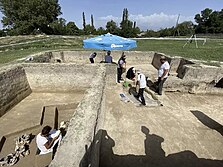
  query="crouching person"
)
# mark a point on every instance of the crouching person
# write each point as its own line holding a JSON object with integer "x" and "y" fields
{"x": 47, "y": 140}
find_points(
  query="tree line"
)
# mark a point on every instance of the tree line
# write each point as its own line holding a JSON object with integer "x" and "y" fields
{"x": 42, "y": 17}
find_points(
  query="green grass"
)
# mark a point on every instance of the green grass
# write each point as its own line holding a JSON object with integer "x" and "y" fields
{"x": 10, "y": 53}
{"x": 212, "y": 50}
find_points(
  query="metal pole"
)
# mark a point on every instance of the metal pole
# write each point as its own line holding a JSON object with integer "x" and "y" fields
{"x": 195, "y": 38}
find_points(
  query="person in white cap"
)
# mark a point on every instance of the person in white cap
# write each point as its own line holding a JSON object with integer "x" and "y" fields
{"x": 141, "y": 81}
{"x": 162, "y": 74}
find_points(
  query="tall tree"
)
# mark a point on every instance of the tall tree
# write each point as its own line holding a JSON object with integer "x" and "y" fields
{"x": 25, "y": 17}
{"x": 93, "y": 30}
{"x": 84, "y": 22}
{"x": 126, "y": 25}
{"x": 92, "y": 21}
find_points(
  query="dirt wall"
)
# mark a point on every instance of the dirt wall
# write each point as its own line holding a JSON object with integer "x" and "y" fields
{"x": 50, "y": 77}
{"x": 83, "y": 56}
{"x": 202, "y": 73}
{"x": 14, "y": 87}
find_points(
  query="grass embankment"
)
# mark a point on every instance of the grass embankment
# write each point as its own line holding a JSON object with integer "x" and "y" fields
{"x": 12, "y": 48}
{"x": 25, "y": 45}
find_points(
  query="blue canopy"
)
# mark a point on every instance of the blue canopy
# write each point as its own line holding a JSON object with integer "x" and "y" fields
{"x": 109, "y": 42}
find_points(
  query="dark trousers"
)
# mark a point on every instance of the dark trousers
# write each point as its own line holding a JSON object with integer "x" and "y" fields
{"x": 91, "y": 60}
{"x": 119, "y": 74}
{"x": 160, "y": 85}
{"x": 140, "y": 95}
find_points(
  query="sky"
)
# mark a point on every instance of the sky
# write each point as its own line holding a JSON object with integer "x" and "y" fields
{"x": 148, "y": 14}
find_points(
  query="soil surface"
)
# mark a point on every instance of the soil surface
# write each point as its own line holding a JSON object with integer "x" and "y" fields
{"x": 186, "y": 130}
{"x": 25, "y": 118}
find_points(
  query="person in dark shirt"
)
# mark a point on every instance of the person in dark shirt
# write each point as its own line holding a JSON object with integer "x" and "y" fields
{"x": 131, "y": 73}
{"x": 92, "y": 56}
{"x": 108, "y": 57}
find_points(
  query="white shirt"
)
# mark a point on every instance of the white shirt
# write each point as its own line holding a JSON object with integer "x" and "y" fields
{"x": 40, "y": 141}
{"x": 164, "y": 66}
{"x": 142, "y": 80}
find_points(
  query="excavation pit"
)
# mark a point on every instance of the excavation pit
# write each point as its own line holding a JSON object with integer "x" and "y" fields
{"x": 34, "y": 96}
{"x": 100, "y": 121}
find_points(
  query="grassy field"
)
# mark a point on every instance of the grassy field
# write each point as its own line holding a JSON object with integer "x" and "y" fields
{"x": 212, "y": 50}
{"x": 12, "y": 48}
{"x": 23, "y": 46}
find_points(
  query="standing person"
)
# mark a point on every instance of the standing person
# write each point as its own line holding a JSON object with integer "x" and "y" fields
{"x": 92, "y": 56}
{"x": 162, "y": 74}
{"x": 141, "y": 81}
{"x": 47, "y": 139}
{"x": 108, "y": 57}
{"x": 121, "y": 67}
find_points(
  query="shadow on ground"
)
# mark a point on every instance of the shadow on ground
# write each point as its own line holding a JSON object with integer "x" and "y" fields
{"x": 152, "y": 85}
{"x": 154, "y": 155}
{"x": 207, "y": 121}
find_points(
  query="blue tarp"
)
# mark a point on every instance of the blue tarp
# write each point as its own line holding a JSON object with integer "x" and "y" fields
{"x": 109, "y": 42}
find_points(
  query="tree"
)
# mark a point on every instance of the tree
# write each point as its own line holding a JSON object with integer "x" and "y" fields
{"x": 25, "y": 17}
{"x": 58, "y": 27}
{"x": 111, "y": 27}
{"x": 88, "y": 29}
{"x": 72, "y": 29}
{"x": 135, "y": 31}
{"x": 92, "y": 25}
{"x": 185, "y": 28}
{"x": 100, "y": 31}
{"x": 209, "y": 21}
{"x": 84, "y": 22}
{"x": 126, "y": 25}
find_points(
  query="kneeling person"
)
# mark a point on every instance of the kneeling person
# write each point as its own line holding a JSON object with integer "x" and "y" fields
{"x": 47, "y": 139}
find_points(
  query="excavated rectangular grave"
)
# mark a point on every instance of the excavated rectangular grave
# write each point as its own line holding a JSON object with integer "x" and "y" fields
{"x": 35, "y": 95}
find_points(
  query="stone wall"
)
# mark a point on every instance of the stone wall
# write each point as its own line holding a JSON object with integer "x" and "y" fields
{"x": 14, "y": 87}
{"x": 190, "y": 76}
{"x": 203, "y": 73}
{"x": 176, "y": 63}
{"x": 181, "y": 67}
{"x": 156, "y": 60}
{"x": 50, "y": 77}
{"x": 80, "y": 146}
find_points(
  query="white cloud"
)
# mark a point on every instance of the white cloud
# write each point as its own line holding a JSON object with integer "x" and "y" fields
{"x": 102, "y": 21}
{"x": 154, "y": 21}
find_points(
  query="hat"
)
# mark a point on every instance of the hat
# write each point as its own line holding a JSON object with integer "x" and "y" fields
{"x": 139, "y": 71}
{"x": 162, "y": 58}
